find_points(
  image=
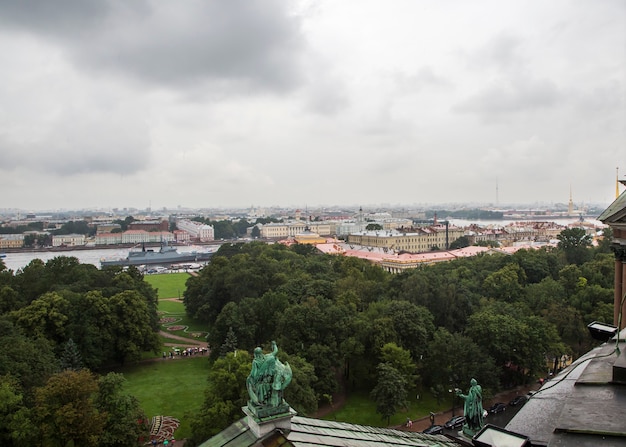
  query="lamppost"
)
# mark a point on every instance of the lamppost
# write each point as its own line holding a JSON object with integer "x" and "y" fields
{"x": 453, "y": 390}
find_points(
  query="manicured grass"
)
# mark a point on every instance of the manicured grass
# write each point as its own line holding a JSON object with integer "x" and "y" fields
{"x": 360, "y": 409}
{"x": 169, "y": 285}
{"x": 176, "y": 309}
{"x": 169, "y": 388}
{"x": 172, "y": 307}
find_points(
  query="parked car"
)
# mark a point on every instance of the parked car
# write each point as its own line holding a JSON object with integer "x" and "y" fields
{"x": 455, "y": 422}
{"x": 497, "y": 408}
{"x": 518, "y": 400}
{"x": 434, "y": 430}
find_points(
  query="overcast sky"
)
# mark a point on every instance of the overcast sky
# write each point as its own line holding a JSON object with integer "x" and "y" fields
{"x": 239, "y": 102}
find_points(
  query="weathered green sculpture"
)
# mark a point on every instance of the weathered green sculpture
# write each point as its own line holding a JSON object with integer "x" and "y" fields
{"x": 266, "y": 382}
{"x": 473, "y": 409}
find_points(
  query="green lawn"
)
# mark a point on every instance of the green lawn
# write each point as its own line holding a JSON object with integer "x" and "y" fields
{"x": 176, "y": 309}
{"x": 360, "y": 409}
{"x": 169, "y": 285}
{"x": 176, "y": 388}
{"x": 169, "y": 388}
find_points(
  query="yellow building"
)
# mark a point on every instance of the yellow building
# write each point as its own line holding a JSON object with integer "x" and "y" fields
{"x": 11, "y": 241}
{"x": 416, "y": 240}
{"x": 309, "y": 237}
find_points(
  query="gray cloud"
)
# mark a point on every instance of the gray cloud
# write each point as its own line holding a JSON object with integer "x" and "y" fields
{"x": 425, "y": 77}
{"x": 205, "y": 103}
{"x": 237, "y": 44}
{"x": 510, "y": 95}
{"x": 81, "y": 143}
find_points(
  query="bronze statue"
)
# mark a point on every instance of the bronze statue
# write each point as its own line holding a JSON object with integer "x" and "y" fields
{"x": 473, "y": 408}
{"x": 267, "y": 379}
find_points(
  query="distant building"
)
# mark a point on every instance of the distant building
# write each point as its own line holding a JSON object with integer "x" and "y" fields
{"x": 141, "y": 236}
{"x": 197, "y": 230}
{"x": 68, "y": 240}
{"x": 293, "y": 228}
{"x": 181, "y": 236}
{"x": 108, "y": 238}
{"x": 149, "y": 225}
{"x": 107, "y": 227}
{"x": 134, "y": 237}
{"x": 412, "y": 240}
{"x": 11, "y": 241}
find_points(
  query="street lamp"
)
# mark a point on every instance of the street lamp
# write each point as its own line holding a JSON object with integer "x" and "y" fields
{"x": 454, "y": 392}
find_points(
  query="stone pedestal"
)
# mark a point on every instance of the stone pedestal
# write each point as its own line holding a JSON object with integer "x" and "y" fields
{"x": 261, "y": 426}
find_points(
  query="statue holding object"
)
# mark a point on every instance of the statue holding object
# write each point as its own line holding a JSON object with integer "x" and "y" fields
{"x": 473, "y": 408}
{"x": 266, "y": 382}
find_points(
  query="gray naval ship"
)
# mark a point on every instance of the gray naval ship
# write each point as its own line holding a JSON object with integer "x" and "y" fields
{"x": 166, "y": 255}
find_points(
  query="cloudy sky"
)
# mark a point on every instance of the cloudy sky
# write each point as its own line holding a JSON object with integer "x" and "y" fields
{"x": 305, "y": 103}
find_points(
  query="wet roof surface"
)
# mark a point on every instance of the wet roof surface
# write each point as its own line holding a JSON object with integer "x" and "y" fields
{"x": 308, "y": 432}
{"x": 581, "y": 406}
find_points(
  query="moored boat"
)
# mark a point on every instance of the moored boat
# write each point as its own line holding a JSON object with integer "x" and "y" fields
{"x": 166, "y": 255}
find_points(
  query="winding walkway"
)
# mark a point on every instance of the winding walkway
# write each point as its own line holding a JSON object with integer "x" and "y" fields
{"x": 189, "y": 342}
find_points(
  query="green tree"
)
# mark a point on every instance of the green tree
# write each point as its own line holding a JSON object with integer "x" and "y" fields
{"x": 537, "y": 264}
{"x": 129, "y": 326}
{"x": 454, "y": 359}
{"x": 9, "y": 299}
{"x": 300, "y": 393}
{"x": 604, "y": 242}
{"x": 241, "y": 226}
{"x": 45, "y": 317}
{"x": 65, "y": 411}
{"x": 16, "y": 427}
{"x": 374, "y": 227}
{"x": 401, "y": 360}
{"x": 223, "y": 398}
{"x": 461, "y": 242}
{"x": 575, "y": 244}
{"x": 124, "y": 425}
{"x": 30, "y": 360}
{"x": 230, "y": 343}
{"x": 390, "y": 393}
{"x": 506, "y": 284}
{"x": 70, "y": 357}
{"x": 255, "y": 233}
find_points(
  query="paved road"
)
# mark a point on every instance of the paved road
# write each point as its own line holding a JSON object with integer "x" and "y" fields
{"x": 499, "y": 420}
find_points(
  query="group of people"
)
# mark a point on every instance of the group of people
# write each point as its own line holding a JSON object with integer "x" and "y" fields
{"x": 185, "y": 352}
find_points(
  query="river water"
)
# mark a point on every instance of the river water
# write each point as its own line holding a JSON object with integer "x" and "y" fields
{"x": 15, "y": 261}
{"x": 19, "y": 260}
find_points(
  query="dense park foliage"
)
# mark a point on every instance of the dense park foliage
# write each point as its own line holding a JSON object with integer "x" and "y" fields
{"x": 502, "y": 319}
{"x": 340, "y": 322}
{"x": 59, "y": 321}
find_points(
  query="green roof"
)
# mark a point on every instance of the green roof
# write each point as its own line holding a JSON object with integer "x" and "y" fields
{"x": 309, "y": 432}
{"x": 615, "y": 211}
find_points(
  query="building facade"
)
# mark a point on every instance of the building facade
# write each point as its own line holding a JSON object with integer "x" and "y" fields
{"x": 615, "y": 217}
{"x": 11, "y": 241}
{"x": 417, "y": 240}
{"x": 68, "y": 240}
{"x": 197, "y": 231}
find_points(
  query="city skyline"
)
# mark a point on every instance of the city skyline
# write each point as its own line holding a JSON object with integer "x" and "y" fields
{"x": 310, "y": 103}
